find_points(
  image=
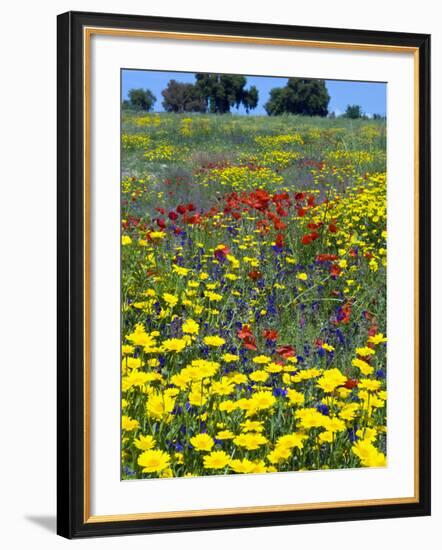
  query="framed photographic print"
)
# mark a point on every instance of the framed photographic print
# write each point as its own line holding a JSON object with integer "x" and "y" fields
{"x": 243, "y": 274}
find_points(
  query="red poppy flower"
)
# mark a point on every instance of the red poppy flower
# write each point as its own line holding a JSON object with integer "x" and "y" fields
{"x": 250, "y": 343}
{"x": 279, "y": 225}
{"x": 191, "y": 207}
{"x": 255, "y": 275}
{"x": 332, "y": 228}
{"x": 160, "y": 210}
{"x": 286, "y": 351}
{"x": 270, "y": 334}
{"x": 263, "y": 225}
{"x": 326, "y": 257}
{"x": 161, "y": 223}
{"x": 181, "y": 209}
{"x": 335, "y": 270}
{"x": 306, "y": 239}
{"x": 193, "y": 220}
{"x": 279, "y": 197}
{"x": 244, "y": 332}
{"x": 259, "y": 199}
{"x": 279, "y": 241}
{"x": 312, "y": 225}
{"x": 301, "y": 211}
{"x": 346, "y": 311}
{"x": 351, "y": 383}
{"x": 172, "y": 215}
{"x": 310, "y": 237}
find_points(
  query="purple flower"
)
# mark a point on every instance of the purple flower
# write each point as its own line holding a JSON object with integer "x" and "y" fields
{"x": 323, "y": 409}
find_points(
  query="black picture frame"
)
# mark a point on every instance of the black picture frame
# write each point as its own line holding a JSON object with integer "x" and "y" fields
{"x": 71, "y": 396}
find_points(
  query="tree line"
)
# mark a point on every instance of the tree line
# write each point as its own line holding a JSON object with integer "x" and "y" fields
{"x": 218, "y": 94}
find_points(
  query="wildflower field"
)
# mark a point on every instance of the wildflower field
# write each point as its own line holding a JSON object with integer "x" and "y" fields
{"x": 253, "y": 294}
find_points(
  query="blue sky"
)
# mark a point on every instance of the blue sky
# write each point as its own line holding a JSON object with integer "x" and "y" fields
{"x": 371, "y": 96}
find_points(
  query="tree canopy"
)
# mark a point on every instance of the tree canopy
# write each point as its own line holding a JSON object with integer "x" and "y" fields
{"x": 222, "y": 92}
{"x": 353, "y": 111}
{"x": 141, "y": 100}
{"x": 181, "y": 97}
{"x": 300, "y": 96}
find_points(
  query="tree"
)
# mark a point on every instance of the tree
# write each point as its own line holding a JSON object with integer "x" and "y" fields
{"x": 141, "y": 100}
{"x": 222, "y": 92}
{"x": 180, "y": 97}
{"x": 250, "y": 99}
{"x": 353, "y": 111}
{"x": 301, "y": 96}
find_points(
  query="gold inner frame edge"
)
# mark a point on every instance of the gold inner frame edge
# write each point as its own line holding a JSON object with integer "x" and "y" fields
{"x": 87, "y": 34}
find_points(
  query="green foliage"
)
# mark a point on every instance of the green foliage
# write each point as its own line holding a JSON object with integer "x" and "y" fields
{"x": 222, "y": 92}
{"x": 300, "y": 96}
{"x": 141, "y": 100}
{"x": 353, "y": 111}
{"x": 250, "y": 98}
{"x": 180, "y": 97}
